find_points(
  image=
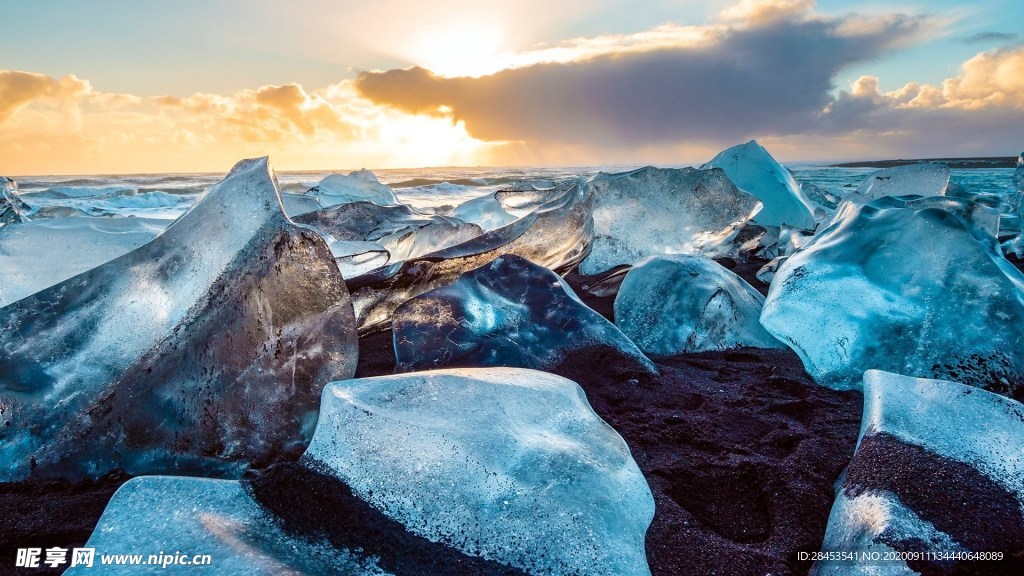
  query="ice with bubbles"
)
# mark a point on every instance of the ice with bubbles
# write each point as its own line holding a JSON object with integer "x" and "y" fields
{"x": 203, "y": 350}
{"x": 754, "y": 170}
{"x": 958, "y": 426}
{"x": 915, "y": 286}
{"x": 360, "y": 185}
{"x": 653, "y": 211}
{"x": 509, "y": 312}
{"x": 677, "y": 304}
{"x": 505, "y": 463}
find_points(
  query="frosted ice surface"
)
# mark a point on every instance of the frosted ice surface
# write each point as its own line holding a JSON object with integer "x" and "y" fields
{"x": 675, "y": 304}
{"x": 189, "y": 516}
{"x": 12, "y": 209}
{"x": 925, "y": 179}
{"x": 484, "y": 211}
{"x": 38, "y": 254}
{"x": 754, "y": 170}
{"x": 917, "y": 287}
{"x": 955, "y": 422}
{"x": 509, "y": 312}
{"x": 403, "y": 232}
{"x": 505, "y": 463}
{"x": 361, "y": 185}
{"x": 203, "y": 350}
{"x": 652, "y": 211}
{"x": 557, "y": 235}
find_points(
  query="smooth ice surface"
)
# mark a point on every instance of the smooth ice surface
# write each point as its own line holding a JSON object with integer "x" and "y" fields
{"x": 754, "y": 170}
{"x": 957, "y": 422}
{"x": 674, "y": 304}
{"x": 652, "y": 211}
{"x": 403, "y": 232}
{"x": 556, "y": 235}
{"x": 505, "y": 463}
{"x": 38, "y": 254}
{"x": 203, "y": 350}
{"x": 164, "y": 514}
{"x": 925, "y": 179}
{"x": 360, "y": 185}
{"x": 484, "y": 211}
{"x": 917, "y": 287}
{"x": 12, "y": 209}
{"x": 509, "y": 312}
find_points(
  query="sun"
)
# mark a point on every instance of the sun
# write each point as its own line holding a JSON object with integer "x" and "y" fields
{"x": 459, "y": 49}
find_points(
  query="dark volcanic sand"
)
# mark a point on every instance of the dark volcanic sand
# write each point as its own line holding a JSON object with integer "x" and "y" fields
{"x": 45, "y": 513}
{"x": 740, "y": 448}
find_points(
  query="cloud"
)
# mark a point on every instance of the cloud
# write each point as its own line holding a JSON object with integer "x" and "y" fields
{"x": 65, "y": 126}
{"x": 990, "y": 37}
{"x": 19, "y": 89}
{"x": 770, "y": 70}
{"x": 978, "y": 112}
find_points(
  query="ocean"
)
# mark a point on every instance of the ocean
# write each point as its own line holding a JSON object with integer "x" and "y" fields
{"x": 166, "y": 196}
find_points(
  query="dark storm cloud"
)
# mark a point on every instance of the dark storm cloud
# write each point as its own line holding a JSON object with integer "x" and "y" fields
{"x": 775, "y": 78}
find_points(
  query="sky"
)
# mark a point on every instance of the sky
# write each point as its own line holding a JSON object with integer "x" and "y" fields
{"x": 120, "y": 86}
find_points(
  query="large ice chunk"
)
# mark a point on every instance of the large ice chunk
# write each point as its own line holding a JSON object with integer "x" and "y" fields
{"x": 204, "y": 349}
{"x": 117, "y": 201}
{"x": 175, "y": 517}
{"x": 509, "y": 312}
{"x": 41, "y": 253}
{"x": 653, "y": 211}
{"x": 484, "y": 211}
{"x": 505, "y": 463}
{"x": 924, "y": 179}
{"x": 754, "y": 170}
{"x": 674, "y": 304}
{"x": 403, "y": 232}
{"x": 556, "y": 235}
{"x": 12, "y": 209}
{"x": 939, "y": 467}
{"x": 361, "y": 185}
{"x": 915, "y": 286}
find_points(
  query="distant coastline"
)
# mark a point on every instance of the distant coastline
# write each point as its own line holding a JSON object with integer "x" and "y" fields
{"x": 958, "y": 163}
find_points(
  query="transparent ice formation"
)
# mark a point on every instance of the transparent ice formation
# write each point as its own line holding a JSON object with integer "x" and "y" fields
{"x": 361, "y": 185}
{"x": 556, "y": 235}
{"x": 204, "y": 350}
{"x": 484, "y": 211}
{"x": 509, "y": 312}
{"x": 400, "y": 230}
{"x": 754, "y": 170}
{"x": 913, "y": 286}
{"x": 180, "y": 516}
{"x": 676, "y": 304}
{"x": 924, "y": 179}
{"x": 38, "y": 254}
{"x": 954, "y": 422}
{"x": 12, "y": 209}
{"x": 652, "y": 211}
{"x": 505, "y": 463}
